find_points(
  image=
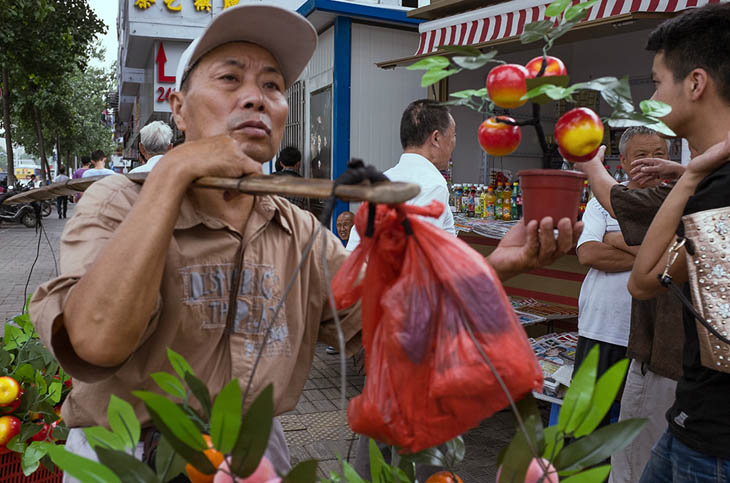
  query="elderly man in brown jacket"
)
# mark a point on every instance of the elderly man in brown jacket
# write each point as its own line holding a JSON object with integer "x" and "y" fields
{"x": 201, "y": 271}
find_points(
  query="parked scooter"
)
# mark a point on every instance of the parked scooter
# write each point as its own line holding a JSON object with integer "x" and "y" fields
{"x": 26, "y": 213}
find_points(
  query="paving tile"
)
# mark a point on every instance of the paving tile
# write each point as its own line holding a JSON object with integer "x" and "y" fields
{"x": 314, "y": 395}
{"x": 328, "y": 418}
{"x": 297, "y": 454}
{"x": 320, "y": 451}
{"x": 322, "y": 382}
{"x": 304, "y": 407}
{"x": 291, "y": 423}
{"x": 294, "y": 438}
{"x": 333, "y": 433}
{"x": 324, "y": 405}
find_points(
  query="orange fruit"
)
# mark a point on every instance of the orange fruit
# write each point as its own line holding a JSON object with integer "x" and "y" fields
{"x": 214, "y": 456}
{"x": 444, "y": 477}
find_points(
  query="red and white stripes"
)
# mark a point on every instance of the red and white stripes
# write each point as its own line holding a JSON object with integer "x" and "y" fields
{"x": 509, "y": 19}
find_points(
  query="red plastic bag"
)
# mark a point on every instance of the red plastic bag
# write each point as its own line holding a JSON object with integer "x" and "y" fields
{"x": 422, "y": 293}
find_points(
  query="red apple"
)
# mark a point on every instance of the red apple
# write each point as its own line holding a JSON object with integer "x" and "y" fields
{"x": 14, "y": 405}
{"x": 506, "y": 85}
{"x": 554, "y": 67}
{"x": 42, "y": 434}
{"x": 9, "y": 390}
{"x": 535, "y": 474}
{"x": 579, "y": 133}
{"x": 9, "y": 427}
{"x": 498, "y": 138}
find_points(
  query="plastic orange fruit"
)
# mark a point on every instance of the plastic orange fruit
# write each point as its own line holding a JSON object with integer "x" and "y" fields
{"x": 214, "y": 456}
{"x": 444, "y": 477}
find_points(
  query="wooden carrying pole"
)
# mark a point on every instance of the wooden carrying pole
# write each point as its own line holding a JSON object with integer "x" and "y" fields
{"x": 386, "y": 192}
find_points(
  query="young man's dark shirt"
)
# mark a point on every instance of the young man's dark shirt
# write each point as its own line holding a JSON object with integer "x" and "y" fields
{"x": 700, "y": 416}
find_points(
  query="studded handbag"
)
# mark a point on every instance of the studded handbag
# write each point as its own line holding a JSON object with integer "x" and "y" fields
{"x": 707, "y": 245}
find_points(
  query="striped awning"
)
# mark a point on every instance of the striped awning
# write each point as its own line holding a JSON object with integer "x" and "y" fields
{"x": 509, "y": 19}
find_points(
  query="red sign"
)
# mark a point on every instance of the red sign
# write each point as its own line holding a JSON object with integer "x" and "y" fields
{"x": 161, "y": 59}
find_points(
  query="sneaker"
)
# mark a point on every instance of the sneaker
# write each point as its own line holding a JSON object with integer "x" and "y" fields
{"x": 332, "y": 351}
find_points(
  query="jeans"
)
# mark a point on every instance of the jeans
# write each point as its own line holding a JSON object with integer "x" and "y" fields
{"x": 62, "y": 206}
{"x": 672, "y": 461}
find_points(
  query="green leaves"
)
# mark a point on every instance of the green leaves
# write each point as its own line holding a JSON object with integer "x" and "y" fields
{"x": 578, "y": 397}
{"x": 170, "y": 384}
{"x": 173, "y": 418}
{"x": 98, "y": 436}
{"x": 81, "y": 468}
{"x": 123, "y": 421}
{"x": 535, "y": 31}
{"x": 225, "y": 421}
{"x": 304, "y": 472}
{"x": 655, "y": 108}
{"x": 578, "y": 10}
{"x": 253, "y": 436}
{"x": 556, "y": 8}
{"x": 179, "y": 364}
{"x": 599, "y": 473}
{"x": 433, "y": 76}
{"x": 594, "y": 448}
{"x": 603, "y": 397}
{"x": 435, "y": 62}
{"x": 128, "y": 468}
{"x": 477, "y": 61}
{"x": 168, "y": 463}
{"x": 468, "y": 93}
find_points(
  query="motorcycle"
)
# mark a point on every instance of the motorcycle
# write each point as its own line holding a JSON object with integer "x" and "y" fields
{"x": 26, "y": 213}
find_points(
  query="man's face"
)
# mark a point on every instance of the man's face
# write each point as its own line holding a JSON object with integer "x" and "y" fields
{"x": 671, "y": 92}
{"x": 344, "y": 225}
{"x": 236, "y": 89}
{"x": 644, "y": 146}
{"x": 447, "y": 145}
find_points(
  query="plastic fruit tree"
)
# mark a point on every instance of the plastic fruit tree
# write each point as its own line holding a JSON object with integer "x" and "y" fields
{"x": 548, "y": 84}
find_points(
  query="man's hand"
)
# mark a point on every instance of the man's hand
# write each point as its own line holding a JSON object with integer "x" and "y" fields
{"x": 651, "y": 170}
{"x": 524, "y": 248}
{"x": 707, "y": 162}
{"x": 220, "y": 156}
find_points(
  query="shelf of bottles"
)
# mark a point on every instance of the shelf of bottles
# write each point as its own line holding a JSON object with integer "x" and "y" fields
{"x": 500, "y": 200}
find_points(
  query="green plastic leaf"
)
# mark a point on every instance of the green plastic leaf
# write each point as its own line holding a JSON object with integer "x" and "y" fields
{"x": 554, "y": 442}
{"x": 81, "y": 468}
{"x": 577, "y": 399}
{"x": 99, "y": 436}
{"x": 225, "y": 420}
{"x": 54, "y": 392}
{"x": 195, "y": 457}
{"x": 429, "y": 63}
{"x": 518, "y": 455}
{"x": 40, "y": 382}
{"x": 31, "y": 459}
{"x": 541, "y": 27}
{"x": 28, "y": 430}
{"x": 578, "y": 10}
{"x": 25, "y": 373}
{"x": 604, "y": 395}
{"x": 179, "y": 363}
{"x": 123, "y": 421}
{"x": 455, "y": 450}
{"x": 254, "y": 434}
{"x": 304, "y": 472}
{"x": 201, "y": 393}
{"x": 474, "y": 62}
{"x": 620, "y": 119}
{"x": 170, "y": 384}
{"x": 594, "y": 475}
{"x": 618, "y": 95}
{"x": 465, "y": 94}
{"x": 351, "y": 475}
{"x": 462, "y": 49}
{"x": 377, "y": 461}
{"x": 655, "y": 108}
{"x": 173, "y": 418}
{"x": 60, "y": 432}
{"x": 527, "y": 406}
{"x": 431, "y": 456}
{"x": 597, "y": 446}
{"x": 16, "y": 444}
{"x": 14, "y": 337}
{"x": 556, "y": 8}
{"x": 433, "y": 76}
{"x": 168, "y": 463}
{"x": 128, "y": 468}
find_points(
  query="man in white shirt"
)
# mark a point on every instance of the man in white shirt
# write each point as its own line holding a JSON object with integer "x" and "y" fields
{"x": 428, "y": 137}
{"x": 155, "y": 139}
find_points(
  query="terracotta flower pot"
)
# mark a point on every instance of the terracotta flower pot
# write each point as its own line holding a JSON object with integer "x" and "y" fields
{"x": 551, "y": 192}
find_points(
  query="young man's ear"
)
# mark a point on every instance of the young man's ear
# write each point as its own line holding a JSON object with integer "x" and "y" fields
{"x": 698, "y": 83}
{"x": 177, "y": 100}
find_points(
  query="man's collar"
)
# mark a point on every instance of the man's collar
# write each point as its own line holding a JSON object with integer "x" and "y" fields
{"x": 415, "y": 158}
{"x": 264, "y": 211}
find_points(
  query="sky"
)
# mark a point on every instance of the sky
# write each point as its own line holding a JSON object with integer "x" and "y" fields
{"x": 107, "y": 11}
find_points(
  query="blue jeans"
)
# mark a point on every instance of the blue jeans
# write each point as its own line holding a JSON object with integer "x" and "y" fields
{"x": 672, "y": 461}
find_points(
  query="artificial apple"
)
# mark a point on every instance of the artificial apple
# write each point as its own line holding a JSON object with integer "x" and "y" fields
{"x": 579, "y": 133}
{"x": 9, "y": 427}
{"x": 264, "y": 473}
{"x": 554, "y": 67}
{"x": 14, "y": 405}
{"x": 506, "y": 85}
{"x": 42, "y": 434}
{"x": 498, "y": 138}
{"x": 9, "y": 390}
{"x": 535, "y": 474}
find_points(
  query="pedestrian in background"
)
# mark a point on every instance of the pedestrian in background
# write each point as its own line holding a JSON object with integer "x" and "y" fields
{"x": 98, "y": 158}
{"x": 155, "y": 139}
{"x": 61, "y": 201}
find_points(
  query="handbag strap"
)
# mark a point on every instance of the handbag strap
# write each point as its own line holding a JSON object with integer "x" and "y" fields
{"x": 666, "y": 280}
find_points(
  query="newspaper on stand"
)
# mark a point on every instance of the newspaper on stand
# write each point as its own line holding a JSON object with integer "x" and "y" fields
{"x": 556, "y": 355}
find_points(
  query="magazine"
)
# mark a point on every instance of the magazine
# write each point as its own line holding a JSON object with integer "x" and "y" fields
{"x": 556, "y": 355}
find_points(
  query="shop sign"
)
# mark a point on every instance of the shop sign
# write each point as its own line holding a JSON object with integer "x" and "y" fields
{"x": 167, "y": 57}
{"x": 177, "y": 5}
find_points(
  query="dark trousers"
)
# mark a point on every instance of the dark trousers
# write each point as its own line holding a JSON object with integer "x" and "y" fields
{"x": 62, "y": 206}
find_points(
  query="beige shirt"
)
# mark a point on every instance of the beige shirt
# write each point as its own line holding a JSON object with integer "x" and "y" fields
{"x": 194, "y": 297}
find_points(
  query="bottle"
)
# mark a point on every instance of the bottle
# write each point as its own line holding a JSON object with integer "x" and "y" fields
{"x": 618, "y": 175}
{"x": 483, "y": 201}
{"x": 584, "y": 198}
{"x": 472, "y": 195}
{"x": 514, "y": 212}
{"x": 498, "y": 202}
{"x": 478, "y": 203}
{"x": 490, "y": 200}
{"x": 517, "y": 192}
{"x": 457, "y": 197}
{"x": 507, "y": 202}
{"x": 625, "y": 178}
{"x": 465, "y": 200}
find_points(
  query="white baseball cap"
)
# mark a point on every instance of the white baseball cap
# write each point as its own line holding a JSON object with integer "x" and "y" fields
{"x": 288, "y": 36}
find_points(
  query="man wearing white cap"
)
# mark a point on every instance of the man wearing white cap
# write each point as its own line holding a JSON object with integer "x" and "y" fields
{"x": 199, "y": 271}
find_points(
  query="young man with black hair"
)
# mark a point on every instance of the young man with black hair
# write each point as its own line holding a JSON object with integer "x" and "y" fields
{"x": 691, "y": 73}
{"x": 98, "y": 158}
{"x": 289, "y": 158}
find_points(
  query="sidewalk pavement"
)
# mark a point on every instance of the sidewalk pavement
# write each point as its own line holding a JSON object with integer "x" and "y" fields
{"x": 313, "y": 428}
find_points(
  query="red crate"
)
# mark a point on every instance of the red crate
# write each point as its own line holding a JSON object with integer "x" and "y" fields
{"x": 11, "y": 471}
